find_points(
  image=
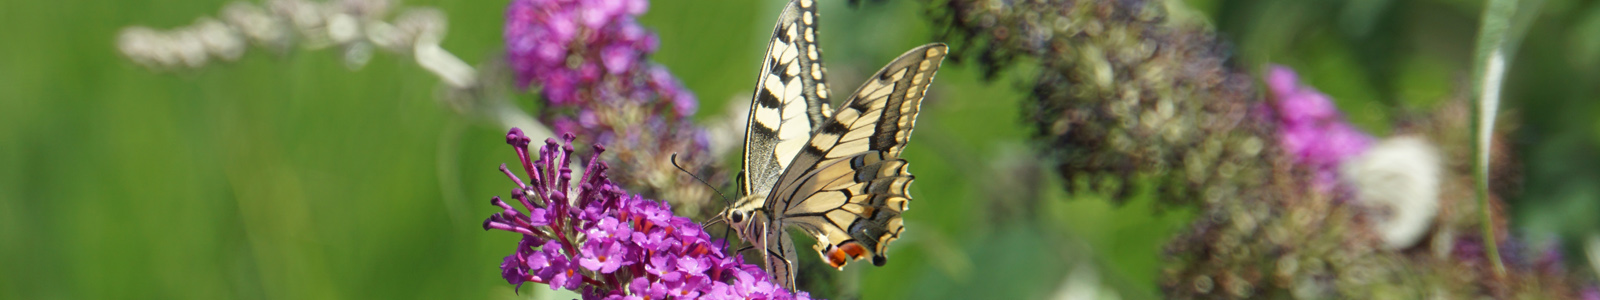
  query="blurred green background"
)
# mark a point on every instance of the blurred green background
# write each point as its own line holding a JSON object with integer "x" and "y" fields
{"x": 293, "y": 177}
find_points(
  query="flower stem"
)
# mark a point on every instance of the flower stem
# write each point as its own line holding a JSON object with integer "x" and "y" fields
{"x": 1488, "y": 73}
{"x": 555, "y": 226}
{"x": 596, "y": 283}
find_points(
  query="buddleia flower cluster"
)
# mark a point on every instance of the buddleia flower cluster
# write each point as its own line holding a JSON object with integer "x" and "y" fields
{"x": 588, "y": 59}
{"x": 591, "y": 236}
{"x": 1126, "y": 93}
{"x": 1121, "y": 93}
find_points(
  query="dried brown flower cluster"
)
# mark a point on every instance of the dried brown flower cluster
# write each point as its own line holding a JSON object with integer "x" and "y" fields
{"x": 1124, "y": 93}
{"x": 354, "y": 26}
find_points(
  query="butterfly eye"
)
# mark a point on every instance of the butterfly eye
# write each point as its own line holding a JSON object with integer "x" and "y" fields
{"x": 736, "y": 217}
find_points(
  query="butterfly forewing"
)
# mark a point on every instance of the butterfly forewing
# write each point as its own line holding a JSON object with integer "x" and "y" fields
{"x": 848, "y": 185}
{"x": 790, "y": 99}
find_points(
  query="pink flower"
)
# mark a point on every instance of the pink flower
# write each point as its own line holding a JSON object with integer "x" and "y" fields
{"x": 1310, "y": 127}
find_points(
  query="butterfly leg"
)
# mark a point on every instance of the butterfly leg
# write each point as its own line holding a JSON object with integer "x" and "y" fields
{"x": 778, "y": 251}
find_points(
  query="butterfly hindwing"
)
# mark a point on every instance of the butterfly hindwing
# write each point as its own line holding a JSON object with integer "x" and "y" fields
{"x": 848, "y": 185}
{"x": 852, "y": 206}
{"x": 790, "y": 100}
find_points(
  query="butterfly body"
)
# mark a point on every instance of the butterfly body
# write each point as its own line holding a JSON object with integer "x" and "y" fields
{"x": 836, "y": 175}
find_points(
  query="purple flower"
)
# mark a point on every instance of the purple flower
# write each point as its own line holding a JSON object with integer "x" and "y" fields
{"x": 609, "y": 228}
{"x": 648, "y": 289}
{"x": 563, "y": 44}
{"x": 589, "y": 60}
{"x": 1310, "y": 128}
{"x": 660, "y": 266}
{"x": 515, "y": 267}
{"x": 689, "y": 288}
{"x": 562, "y": 274}
{"x": 652, "y": 241}
{"x": 603, "y": 257}
{"x": 692, "y": 265}
{"x": 590, "y": 236}
{"x": 617, "y": 58}
{"x": 683, "y": 102}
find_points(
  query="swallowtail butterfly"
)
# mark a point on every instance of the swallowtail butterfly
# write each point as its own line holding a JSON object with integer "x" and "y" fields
{"x": 836, "y": 175}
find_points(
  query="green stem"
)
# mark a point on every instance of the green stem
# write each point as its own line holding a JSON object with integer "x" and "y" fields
{"x": 1488, "y": 72}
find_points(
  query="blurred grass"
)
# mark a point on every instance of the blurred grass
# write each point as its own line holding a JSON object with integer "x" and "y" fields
{"x": 292, "y": 177}
{"x": 275, "y": 177}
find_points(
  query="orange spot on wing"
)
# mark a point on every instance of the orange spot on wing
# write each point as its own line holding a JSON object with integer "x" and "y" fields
{"x": 841, "y": 255}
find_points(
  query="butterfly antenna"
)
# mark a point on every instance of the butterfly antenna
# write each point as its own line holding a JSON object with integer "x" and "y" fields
{"x": 725, "y": 242}
{"x": 697, "y": 177}
{"x": 714, "y": 220}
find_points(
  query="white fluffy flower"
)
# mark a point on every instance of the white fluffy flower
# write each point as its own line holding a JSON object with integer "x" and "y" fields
{"x": 1399, "y": 178}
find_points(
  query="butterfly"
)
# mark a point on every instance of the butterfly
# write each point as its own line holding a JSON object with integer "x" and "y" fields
{"x": 836, "y": 175}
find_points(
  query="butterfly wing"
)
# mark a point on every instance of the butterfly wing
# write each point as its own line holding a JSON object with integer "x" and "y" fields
{"x": 848, "y": 185}
{"x": 790, "y": 101}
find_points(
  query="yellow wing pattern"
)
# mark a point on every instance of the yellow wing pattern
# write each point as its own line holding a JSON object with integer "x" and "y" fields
{"x": 790, "y": 100}
{"x": 848, "y": 186}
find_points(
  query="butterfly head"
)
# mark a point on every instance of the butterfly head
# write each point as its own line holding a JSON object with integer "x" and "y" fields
{"x": 741, "y": 214}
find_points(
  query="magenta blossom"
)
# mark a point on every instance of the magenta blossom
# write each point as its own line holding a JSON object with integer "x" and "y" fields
{"x": 582, "y": 51}
{"x": 589, "y": 59}
{"x": 592, "y": 237}
{"x": 1310, "y": 128}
